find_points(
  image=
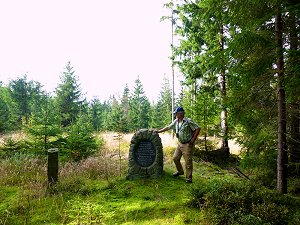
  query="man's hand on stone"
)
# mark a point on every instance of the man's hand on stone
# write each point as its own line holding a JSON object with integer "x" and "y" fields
{"x": 154, "y": 130}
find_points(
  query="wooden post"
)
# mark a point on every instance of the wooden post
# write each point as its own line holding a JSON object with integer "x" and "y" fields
{"x": 52, "y": 166}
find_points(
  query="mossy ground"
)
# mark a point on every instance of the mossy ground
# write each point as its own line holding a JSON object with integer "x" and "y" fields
{"x": 98, "y": 201}
{"x": 95, "y": 191}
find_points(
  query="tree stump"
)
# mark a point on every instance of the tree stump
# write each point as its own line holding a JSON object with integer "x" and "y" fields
{"x": 52, "y": 166}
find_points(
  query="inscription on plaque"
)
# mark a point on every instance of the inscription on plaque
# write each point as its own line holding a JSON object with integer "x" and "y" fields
{"x": 145, "y": 153}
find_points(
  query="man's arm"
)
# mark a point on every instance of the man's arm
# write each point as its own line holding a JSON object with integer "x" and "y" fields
{"x": 169, "y": 127}
{"x": 163, "y": 129}
{"x": 195, "y": 134}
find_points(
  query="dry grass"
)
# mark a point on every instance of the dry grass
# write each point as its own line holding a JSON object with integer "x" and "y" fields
{"x": 111, "y": 161}
{"x": 93, "y": 167}
{"x": 16, "y": 136}
{"x": 113, "y": 144}
{"x": 21, "y": 170}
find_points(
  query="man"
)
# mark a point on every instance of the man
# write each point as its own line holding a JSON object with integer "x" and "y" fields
{"x": 186, "y": 131}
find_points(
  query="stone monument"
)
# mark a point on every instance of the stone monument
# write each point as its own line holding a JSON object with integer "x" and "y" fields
{"x": 145, "y": 155}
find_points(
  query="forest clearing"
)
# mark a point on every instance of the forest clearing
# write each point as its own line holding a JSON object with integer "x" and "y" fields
{"x": 69, "y": 159}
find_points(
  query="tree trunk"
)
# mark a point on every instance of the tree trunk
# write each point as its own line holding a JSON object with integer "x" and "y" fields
{"x": 282, "y": 147}
{"x": 173, "y": 77}
{"x": 205, "y": 123}
{"x": 224, "y": 127}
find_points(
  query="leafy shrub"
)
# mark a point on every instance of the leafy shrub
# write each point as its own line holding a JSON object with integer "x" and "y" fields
{"x": 228, "y": 201}
{"x": 261, "y": 165}
{"x": 294, "y": 186}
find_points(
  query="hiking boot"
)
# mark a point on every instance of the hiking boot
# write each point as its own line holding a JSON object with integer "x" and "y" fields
{"x": 188, "y": 181}
{"x": 176, "y": 174}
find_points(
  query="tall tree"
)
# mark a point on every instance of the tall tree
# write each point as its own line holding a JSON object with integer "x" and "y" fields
{"x": 25, "y": 93}
{"x": 4, "y": 116}
{"x": 281, "y": 103}
{"x": 115, "y": 116}
{"x": 203, "y": 27}
{"x": 8, "y": 115}
{"x": 222, "y": 78}
{"x": 107, "y": 107}
{"x": 96, "y": 114}
{"x": 125, "y": 120}
{"x": 292, "y": 81}
{"x": 68, "y": 96}
{"x": 251, "y": 82}
{"x": 162, "y": 110}
{"x": 264, "y": 24}
{"x": 139, "y": 107}
{"x": 20, "y": 93}
{"x": 253, "y": 49}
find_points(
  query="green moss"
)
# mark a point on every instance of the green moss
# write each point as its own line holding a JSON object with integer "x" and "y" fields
{"x": 8, "y": 197}
{"x": 80, "y": 199}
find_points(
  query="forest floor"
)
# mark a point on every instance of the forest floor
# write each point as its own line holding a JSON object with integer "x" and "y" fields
{"x": 95, "y": 190}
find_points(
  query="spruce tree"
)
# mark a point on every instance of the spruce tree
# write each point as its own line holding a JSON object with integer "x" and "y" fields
{"x": 44, "y": 124}
{"x": 26, "y": 94}
{"x": 8, "y": 111}
{"x": 201, "y": 51}
{"x": 115, "y": 116}
{"x": 80, "y": 141}
{"x": 125, "y": 120}
{"x": 162, "y": 110}
{"x": 68, "y": 96}
{"x": 139, "y": 112}
{"x": 96, "y": 113}
{"x": 293, "y": 81}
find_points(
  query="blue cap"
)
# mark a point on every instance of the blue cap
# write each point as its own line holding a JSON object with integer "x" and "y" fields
{"x": 178, "y": 109}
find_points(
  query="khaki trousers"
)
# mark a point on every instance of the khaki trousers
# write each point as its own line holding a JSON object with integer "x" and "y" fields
{"x": 185, "y": 150}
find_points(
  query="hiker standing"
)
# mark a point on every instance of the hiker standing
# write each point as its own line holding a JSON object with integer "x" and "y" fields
{"x": 186, "y": 131}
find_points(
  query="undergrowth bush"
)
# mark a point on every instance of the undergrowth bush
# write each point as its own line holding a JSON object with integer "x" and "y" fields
{"x": 11, "y": 146}
{"x": 231, "y": 201}
{"x": 294, "y": 186}
{"x": 262, "y": 166}
{"x": 70, "y": 148}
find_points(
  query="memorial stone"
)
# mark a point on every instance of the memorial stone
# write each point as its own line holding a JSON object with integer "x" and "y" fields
{"x": 145, "y": 155}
